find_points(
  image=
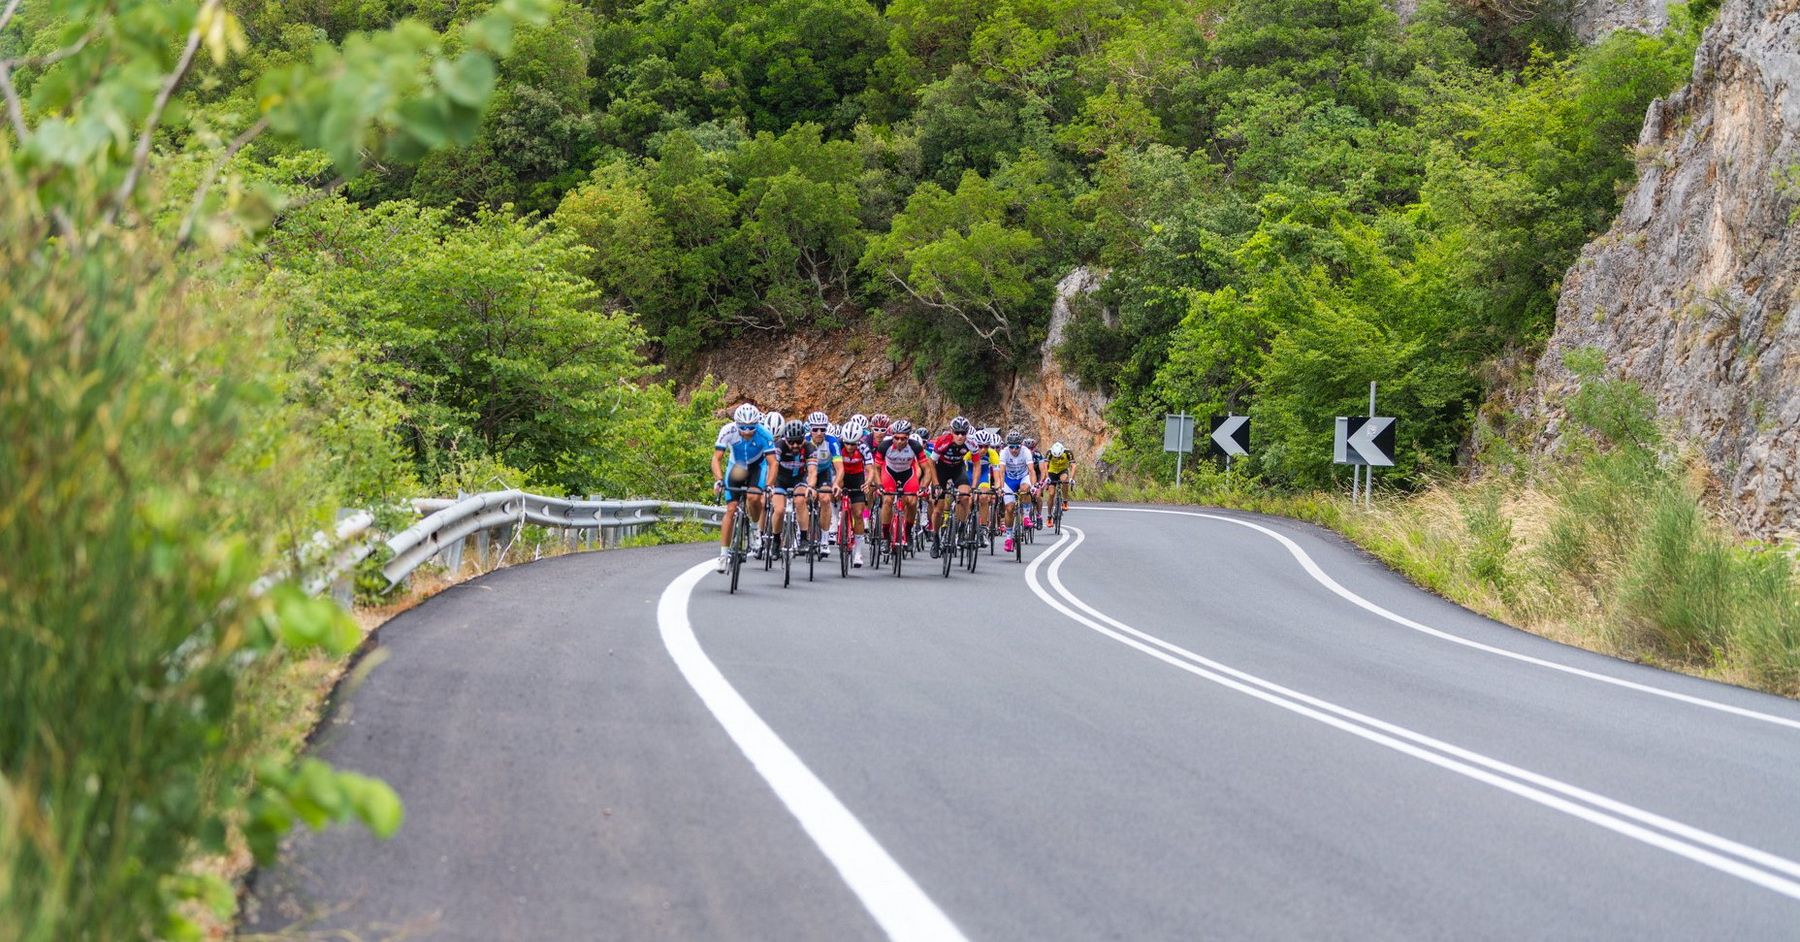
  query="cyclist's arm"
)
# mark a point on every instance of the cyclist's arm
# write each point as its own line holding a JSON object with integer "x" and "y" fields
{"x": 718, "y": 472}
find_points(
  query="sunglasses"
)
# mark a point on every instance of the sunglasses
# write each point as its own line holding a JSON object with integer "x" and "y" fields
{"x": 747, "y": 429}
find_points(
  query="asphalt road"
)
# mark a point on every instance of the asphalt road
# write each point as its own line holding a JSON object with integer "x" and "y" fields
{"x": 1166, "y": 725}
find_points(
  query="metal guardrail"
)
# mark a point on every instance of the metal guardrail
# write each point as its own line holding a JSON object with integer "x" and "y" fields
{"x": 324, "y": 560}
{"x": 448, "y": 522}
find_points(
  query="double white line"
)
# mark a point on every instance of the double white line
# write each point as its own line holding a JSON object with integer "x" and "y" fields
{"x": 1747, "y": 863}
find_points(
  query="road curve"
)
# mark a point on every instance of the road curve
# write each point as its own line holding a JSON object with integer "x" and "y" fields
{"x": 1168, "y": 724}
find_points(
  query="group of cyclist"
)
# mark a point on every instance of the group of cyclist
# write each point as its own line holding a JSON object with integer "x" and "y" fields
{"x": 868, "y": 458}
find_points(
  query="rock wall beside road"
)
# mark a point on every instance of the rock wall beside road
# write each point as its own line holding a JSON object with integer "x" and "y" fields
{"x": 1695, "y": 291}
{"x": 856, "y": 369}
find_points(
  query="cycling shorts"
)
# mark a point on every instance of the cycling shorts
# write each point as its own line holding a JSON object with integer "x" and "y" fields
{"x": 854, "y": 483}
{"x": 955, "y": 474}
{"x": 905, "y": 482}
{"x": 786, "y": 480}
{"x": 1012, "y": 483}
{"x": 755, "y": 479}
{"x": 1057, "y": 477}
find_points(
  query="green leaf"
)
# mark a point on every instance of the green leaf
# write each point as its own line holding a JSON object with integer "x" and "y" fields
{"x": 468, "y": 79}
{"x": 376, "y": 804}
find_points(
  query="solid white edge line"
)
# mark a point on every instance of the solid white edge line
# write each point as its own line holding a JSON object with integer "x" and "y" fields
{"x": 1690, "y": 832}
{"x": 1319, "y": 575}
{"x": 1661, "y": 841}
{"x": 897, "y": 903}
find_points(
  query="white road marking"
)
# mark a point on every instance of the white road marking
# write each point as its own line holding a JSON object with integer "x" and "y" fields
{"x": 1312, "y": 569}
{"x": 899, "y": 906}
{"x": 1464, "y": 762}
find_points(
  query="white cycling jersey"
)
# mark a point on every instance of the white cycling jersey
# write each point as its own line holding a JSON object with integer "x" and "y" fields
{"x": 727, "y": 434}
{"x": 1016, "y": 465}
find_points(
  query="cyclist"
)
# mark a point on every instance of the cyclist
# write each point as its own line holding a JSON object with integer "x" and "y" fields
{"x": 824, "y": 469}
{"x": 1017, "y": 468}
{"x": 878, "y": 432}
{"x": 987, "y": 463}
{"x": 792, "y": 460}
{"x": 904, "y": 468}
{"x": 953, "y": 457}
{"x": 752, "y": 462}
{"x": 773, "y": 422}
{"x": 853, "y": 455}
{"x": 1035, "y": 519}
{"x": 1060, "y": 467}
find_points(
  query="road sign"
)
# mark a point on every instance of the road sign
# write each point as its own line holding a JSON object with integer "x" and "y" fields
{"x": 1364, "y": 440}
{"x": 1231, "y": 435}
{"x": 1178, "y": 432}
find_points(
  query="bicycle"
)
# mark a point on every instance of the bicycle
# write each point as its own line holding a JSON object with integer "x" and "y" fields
{"x": 1018, "y": 532}
{"x": 897, "y": 539}
{"x": 815, "y": 531}
{"x": 764, "y": 550}
{"x": 944, "y": 535}
{"x": 740, "y": 536}
{"x": 846, "y": 534}
{"x": 1056, "y": 506}
{"x": 790, "y": 541}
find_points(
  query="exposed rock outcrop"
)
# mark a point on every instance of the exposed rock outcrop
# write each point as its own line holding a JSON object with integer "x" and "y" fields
{"x": 1593, "y": 19}
{"x": 1695, "y": 292}
{"x": 852, "y": 369}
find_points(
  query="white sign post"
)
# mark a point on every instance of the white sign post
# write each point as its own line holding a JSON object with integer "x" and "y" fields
{"x": 1178, "y": 437}
{"x": 1364, "y": 442}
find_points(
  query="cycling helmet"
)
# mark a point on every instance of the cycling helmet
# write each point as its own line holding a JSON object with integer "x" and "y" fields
{"x": 818, "y": 419}
{"x": 773, "y": 422}
{"x": 1014, "y": 438}
{"x": 793, "y": 431}
{"x": 834, "y": 430}
{"x": 858, "y": 417}
{"x": 856, "y": 428}
{"x": 1031, "y": 443}
{"x": 1057, "y": 450}
{"x": 878, "y": 420}
{"x": 922, "y": 432}
{"x": 900, "y": 428}
{"x": 746, "y": 414}
{"x": 959, "y": 426}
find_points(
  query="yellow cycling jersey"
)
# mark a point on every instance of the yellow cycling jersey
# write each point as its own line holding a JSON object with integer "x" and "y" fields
{"x": 1058, "y": 465}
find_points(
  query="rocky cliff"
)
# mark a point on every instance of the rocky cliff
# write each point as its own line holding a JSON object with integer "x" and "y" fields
{"x": 1695, "y": 292}
{"x": 856, "y": 369}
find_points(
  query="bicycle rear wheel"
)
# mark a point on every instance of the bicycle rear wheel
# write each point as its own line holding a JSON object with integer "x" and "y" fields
{"x": 739, "y": 540}
{"x": 846, "y": 538}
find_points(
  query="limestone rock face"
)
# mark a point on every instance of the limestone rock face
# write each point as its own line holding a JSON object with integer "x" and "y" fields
{"x": 1593, "y": 19}
{"x": 854, "y": 369}
{"x": 1695, "y": 292}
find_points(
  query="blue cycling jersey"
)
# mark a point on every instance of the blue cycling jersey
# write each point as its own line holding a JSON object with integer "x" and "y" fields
{"x": 749, "y": 451}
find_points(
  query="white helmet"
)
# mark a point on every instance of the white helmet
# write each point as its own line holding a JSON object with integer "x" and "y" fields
{"x": 856, "y": 428}
{"x": 833, "y": 430}
{"x": 859, "y": 417}
{"x": 746, "y": 414}
{"x": 773, "y": 422}
{"x": 817, "y": 419}
{"x": 1057, "y": 450}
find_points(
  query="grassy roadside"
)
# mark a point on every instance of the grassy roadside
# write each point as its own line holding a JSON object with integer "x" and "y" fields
{"x": 1612, "y": 550}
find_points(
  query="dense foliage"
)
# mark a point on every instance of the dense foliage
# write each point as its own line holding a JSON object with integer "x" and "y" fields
{"x": 1288, "y": 198}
